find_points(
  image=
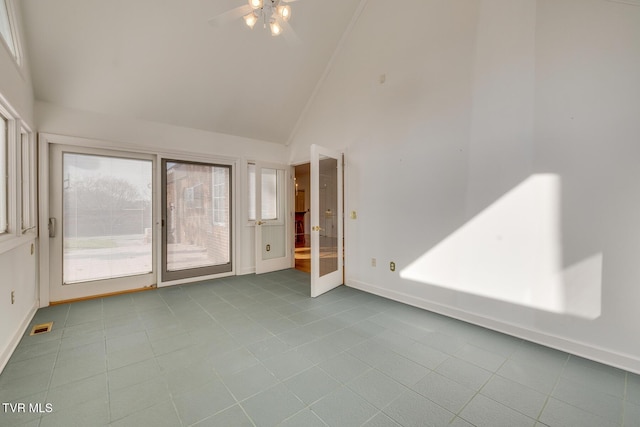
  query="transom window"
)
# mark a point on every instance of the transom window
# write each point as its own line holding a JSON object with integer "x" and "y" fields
{"x": 5, "y": 28}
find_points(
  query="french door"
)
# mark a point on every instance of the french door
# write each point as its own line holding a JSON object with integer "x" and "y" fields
{"x": 196, "y": 219}
{"x": 101, "y": 222}
{"x": 326, "y": 220}
{"x": 270, "y": 212}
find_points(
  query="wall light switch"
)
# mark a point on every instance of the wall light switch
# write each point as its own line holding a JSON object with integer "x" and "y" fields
{"x": 354, "y": 215}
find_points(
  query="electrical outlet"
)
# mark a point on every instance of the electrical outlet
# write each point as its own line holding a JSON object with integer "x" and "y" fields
{"x": 268, "y": 248}
{"x": 392, "y": 266}
{"x": 373, "y": 262}
{"x": 13, "y": 297}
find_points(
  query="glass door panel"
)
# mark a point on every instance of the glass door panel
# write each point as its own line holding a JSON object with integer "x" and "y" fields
{"x": 326, "y": 220}
{"x": 196, "y": 218}
{"x": 328, "y": 208}
{"x": 106, "y": 217}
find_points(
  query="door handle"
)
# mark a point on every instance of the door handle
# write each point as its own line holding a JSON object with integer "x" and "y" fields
{"x": 316, "y": 228}
{"x": 52, "y": 227}
{"x": 259, "y": 222}
{"x": 24, "y": 230}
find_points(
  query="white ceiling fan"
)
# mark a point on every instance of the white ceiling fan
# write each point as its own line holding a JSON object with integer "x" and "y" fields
{"x": 272, "y": 13}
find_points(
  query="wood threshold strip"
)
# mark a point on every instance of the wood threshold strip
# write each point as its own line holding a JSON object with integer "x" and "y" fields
{"x": 111, "y": 294}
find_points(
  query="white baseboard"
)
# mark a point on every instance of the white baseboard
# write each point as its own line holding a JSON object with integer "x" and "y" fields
{"x": 245, "y": 271}
{"x": 608, "y": 357}
{"x": 8, "y": 351}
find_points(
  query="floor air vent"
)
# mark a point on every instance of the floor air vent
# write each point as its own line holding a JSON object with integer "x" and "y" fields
{"x": 41, "y": 329}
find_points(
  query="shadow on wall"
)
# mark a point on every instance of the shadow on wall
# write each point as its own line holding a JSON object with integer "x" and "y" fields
{"x": 512, "y": 251}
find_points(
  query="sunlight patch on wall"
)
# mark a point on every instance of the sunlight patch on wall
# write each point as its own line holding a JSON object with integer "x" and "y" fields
{"x": 512, "y": 251}
{"x": 583, "y": 287}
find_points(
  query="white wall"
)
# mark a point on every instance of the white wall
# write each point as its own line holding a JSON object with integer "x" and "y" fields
{"x": 19, "y": 273}
{"x": 18, "y": 268}
{"x": 59, "y": 120}
{"x": 164, "y": 138}
{"x": 450, "y": 120}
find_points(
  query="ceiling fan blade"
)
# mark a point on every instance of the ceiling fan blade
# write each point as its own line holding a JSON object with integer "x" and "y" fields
{"x": 230, "y": 15}
{"x": 289, "y": 34}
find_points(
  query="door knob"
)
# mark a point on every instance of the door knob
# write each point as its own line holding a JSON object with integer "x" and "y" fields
{"x": 259, "y": 222}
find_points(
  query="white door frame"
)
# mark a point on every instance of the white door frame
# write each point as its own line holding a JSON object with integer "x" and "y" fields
{"x": 281, "y": 263}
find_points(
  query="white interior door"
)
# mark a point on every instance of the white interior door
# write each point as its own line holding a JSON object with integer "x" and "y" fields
{"x": 101, "y": 226}
{"x": 326, "y": 220}
{"x": 270, "y": 212}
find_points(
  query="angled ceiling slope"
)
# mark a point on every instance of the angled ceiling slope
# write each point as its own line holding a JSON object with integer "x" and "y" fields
{"x": 163, "y": 62}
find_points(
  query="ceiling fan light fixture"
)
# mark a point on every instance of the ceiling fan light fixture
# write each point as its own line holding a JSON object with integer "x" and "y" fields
{"x": 284, "y": 12}
{"x": 256, "y": 4}
{"x": 276, "y": 29}
{"x": 250, "y": 19}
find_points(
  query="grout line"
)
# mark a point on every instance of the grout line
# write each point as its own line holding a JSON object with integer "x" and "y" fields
{"x": 624, "y": 398}
{"x": 546, "y": 401}
{"x": 53, "y": 369}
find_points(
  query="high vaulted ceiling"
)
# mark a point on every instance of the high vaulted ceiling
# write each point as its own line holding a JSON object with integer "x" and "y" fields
{"x": 160, "y": 60}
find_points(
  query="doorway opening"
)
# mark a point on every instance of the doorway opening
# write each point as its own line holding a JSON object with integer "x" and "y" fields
{"x": 302, "y": 212}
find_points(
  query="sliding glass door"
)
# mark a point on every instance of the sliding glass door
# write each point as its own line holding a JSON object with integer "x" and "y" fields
{"x": 196, "y": 219}
{"x": 101, "y": 225}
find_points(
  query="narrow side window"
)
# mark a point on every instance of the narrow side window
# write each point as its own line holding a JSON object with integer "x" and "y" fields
{"x": 4, "y": 193}
{"x": 28, "y": 181}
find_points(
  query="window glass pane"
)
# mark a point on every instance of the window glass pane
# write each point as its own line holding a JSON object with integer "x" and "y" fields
{"x": 26, "y": 185}
{"x": 272, "y": 180}
{"x": 106, "y": 217}
{"x": 269, "y": 194}
{"x": 252, "y": 191}
{"x": 198, "y": 215}
{"x": 220, "y": 196}
{"x": 5, "y": 27}
{"x": 3, "y": 175}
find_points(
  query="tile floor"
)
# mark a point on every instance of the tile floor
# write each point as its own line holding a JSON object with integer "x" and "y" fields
{"x": 256, "y": 351}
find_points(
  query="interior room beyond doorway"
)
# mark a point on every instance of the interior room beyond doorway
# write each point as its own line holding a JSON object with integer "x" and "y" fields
{"x": 302, "y": 221}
